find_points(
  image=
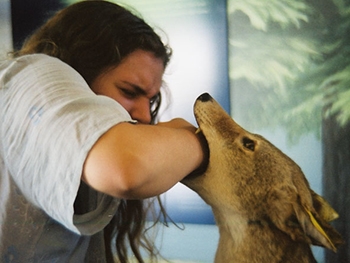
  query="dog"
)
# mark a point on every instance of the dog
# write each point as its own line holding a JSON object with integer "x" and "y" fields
{"x": 261, "y": 200}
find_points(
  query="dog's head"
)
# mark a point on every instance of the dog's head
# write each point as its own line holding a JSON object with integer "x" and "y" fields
{"x": 247, "y": 175}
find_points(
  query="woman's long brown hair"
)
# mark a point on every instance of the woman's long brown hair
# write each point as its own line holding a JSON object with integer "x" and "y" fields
{"x": 93, "y": 36}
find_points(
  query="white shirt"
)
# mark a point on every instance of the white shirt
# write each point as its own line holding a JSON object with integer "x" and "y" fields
{"x": 49, "y": 121}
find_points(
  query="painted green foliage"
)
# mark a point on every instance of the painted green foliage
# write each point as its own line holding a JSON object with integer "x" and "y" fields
{"x": 290, "y": 63}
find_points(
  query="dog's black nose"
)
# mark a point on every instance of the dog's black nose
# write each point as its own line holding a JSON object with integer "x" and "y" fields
{"x": 204, "y": 97}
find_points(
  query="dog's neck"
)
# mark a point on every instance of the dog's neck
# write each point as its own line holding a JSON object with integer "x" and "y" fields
{"x": 258, "y": 222}
{"x": 250, "y": 240}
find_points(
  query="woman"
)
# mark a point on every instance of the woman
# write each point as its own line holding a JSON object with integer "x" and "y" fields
{"x": 77, "y": 152}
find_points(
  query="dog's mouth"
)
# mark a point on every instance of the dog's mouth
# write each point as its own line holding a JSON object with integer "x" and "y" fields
{"x": 203, "y": 167}
{"x": 199, "y": 132}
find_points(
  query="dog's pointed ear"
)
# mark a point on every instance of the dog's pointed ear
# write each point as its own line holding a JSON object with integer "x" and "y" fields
{"x": 323, "y": 208}
{"x": 320, "y": 214}
{"x": 316, "y": 228}
{"x": 294, "y": 214}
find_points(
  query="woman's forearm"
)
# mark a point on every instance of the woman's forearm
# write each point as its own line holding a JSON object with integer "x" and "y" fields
{"x": 139, "y": 161}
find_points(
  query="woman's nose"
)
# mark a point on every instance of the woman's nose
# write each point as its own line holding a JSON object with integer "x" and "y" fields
{"x": 141, "y": 111}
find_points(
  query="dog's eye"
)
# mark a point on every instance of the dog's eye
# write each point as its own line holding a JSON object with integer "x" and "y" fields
{"x": 248, "y": 143}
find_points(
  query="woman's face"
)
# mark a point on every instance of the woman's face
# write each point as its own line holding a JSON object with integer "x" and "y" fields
{"x": 134, "y": 83}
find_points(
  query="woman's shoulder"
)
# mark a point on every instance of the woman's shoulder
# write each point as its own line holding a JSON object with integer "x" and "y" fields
{"x": 38, "y": 66}
{"x": 40, "y": 59}
{"x": 36, "y": 57}
{"x": 32, "y": 60}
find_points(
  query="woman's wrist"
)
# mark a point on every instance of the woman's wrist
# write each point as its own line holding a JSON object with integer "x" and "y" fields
{"x": 205, "y": 151}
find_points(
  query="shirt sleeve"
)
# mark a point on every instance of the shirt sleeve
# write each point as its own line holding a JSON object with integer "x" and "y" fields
{"x": 52, "y": 119}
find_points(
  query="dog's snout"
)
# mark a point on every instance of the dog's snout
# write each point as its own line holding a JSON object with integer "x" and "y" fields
{"x": 204, "y": 97}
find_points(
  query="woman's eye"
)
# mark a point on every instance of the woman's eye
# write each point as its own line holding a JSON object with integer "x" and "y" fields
{"x": 154, "y": 99}
{"x": 128, "y": 93}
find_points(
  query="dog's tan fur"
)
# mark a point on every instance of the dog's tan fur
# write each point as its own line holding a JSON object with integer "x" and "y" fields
{"x": 261, "y": 201}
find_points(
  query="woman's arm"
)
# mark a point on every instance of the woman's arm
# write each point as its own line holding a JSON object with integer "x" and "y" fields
{"x": 139, "y": 161}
